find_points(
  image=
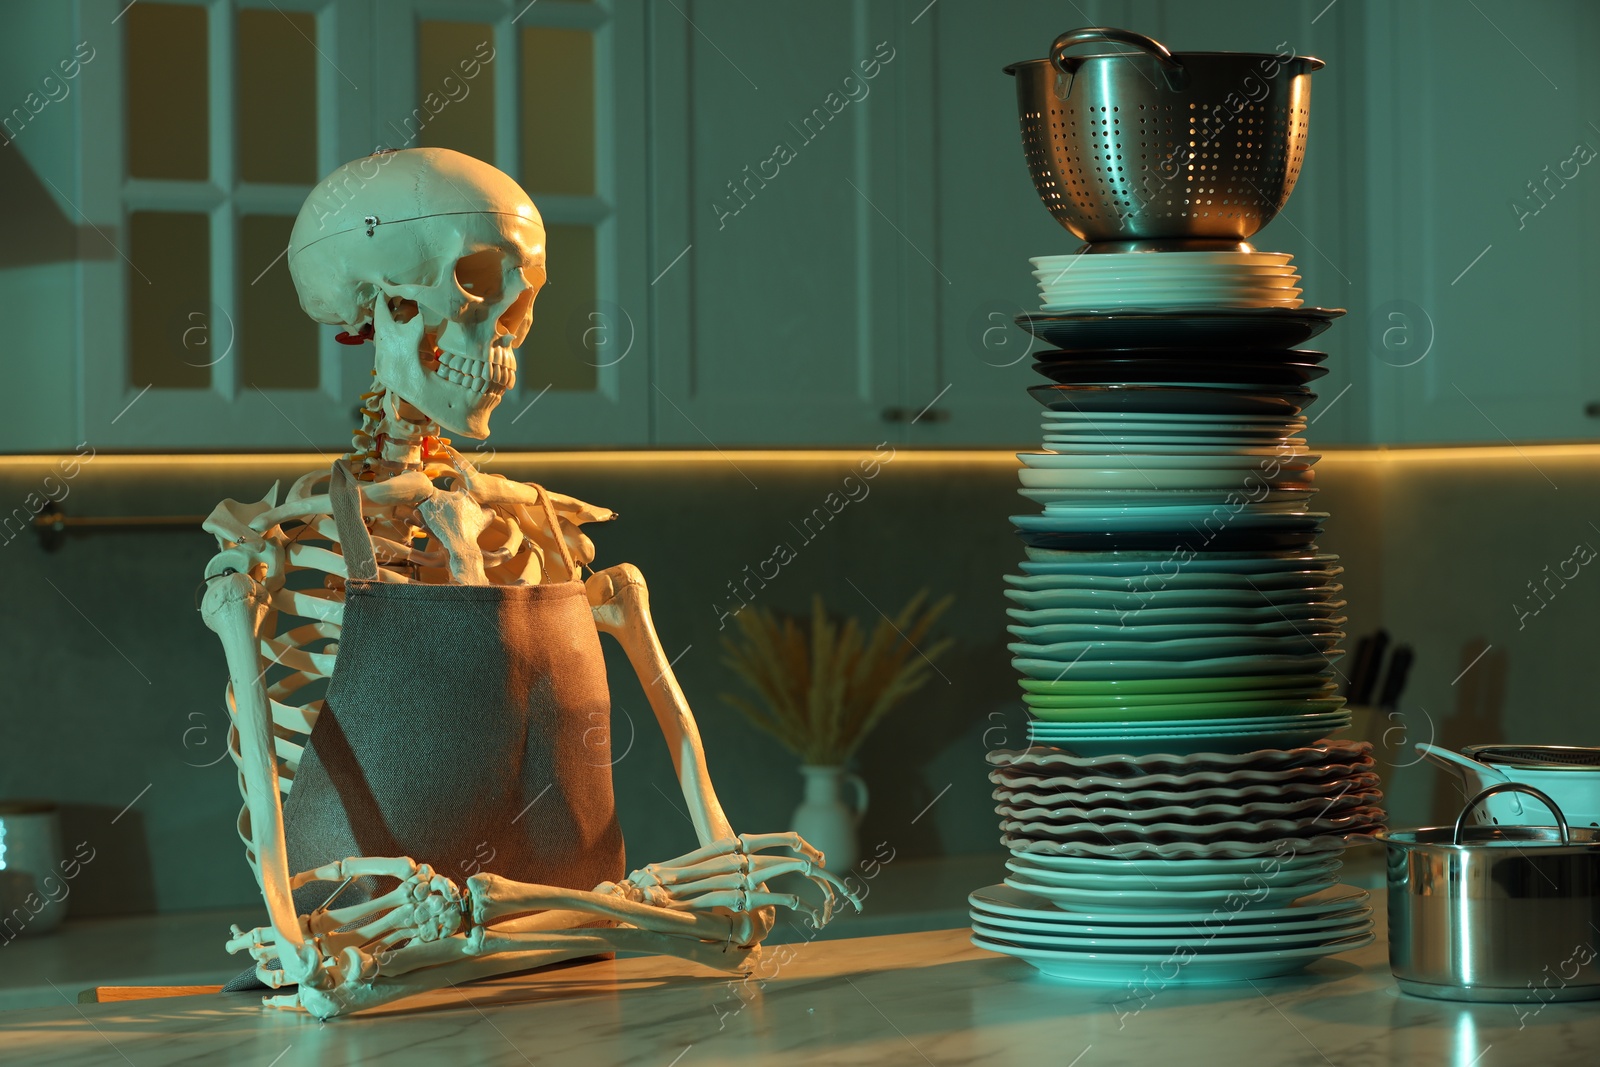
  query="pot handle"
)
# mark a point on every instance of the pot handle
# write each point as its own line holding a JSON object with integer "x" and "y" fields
{"x": 1177, "y": 77}
{"x": 1512, "y": 787}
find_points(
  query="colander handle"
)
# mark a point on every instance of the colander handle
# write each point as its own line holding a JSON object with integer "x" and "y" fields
{"x": 1177, "y": 77}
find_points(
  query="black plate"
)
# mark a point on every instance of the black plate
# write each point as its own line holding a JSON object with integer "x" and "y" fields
{"x": 1132, "y": 371}
{"x": 1184, "y": 355}
{"x": 1223, "y": 540}
{"x": 1254, "y": 328}
{"x": 1172, "y": 400}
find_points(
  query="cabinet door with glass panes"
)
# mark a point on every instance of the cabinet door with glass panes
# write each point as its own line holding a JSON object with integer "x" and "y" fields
{"x": 209, "y": 121}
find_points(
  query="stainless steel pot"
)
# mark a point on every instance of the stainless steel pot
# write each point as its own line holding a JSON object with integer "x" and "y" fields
{"x": 1160, "y": 151}
{"x": 1495, "y": 913}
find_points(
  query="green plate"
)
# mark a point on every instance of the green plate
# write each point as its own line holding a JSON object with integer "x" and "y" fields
{"x": 1219, "y": 710}
{"x": 1224, "y": 683}
{"x": 1133, "y": 700}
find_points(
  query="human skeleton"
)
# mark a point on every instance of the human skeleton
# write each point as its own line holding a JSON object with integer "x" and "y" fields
{"x": 437, "y": 258}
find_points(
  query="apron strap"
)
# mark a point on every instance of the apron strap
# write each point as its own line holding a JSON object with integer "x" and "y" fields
{"x": 356, "y": 544}
{"x": 555, "y": 528}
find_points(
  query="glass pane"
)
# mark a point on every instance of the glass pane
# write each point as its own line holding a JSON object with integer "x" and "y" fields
{"x": 455, "y": 90}
{"x": 572, "y": 335}
{"x": 557, "y": 111}
{"x": 277, "y": 341}
{"x": 165, "y": 68}
{"x": 276, "y": 96}
{"x": 170, "y": 328}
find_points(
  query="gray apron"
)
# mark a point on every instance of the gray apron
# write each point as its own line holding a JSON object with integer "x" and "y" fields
{"x": 465, "y": 726}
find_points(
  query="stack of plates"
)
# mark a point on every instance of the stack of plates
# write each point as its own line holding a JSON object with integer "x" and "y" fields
{"x": 1224, "y": 868}
{"x": 1155, "y": 948}
{"x": 1174, "y": 599}
{"x": 1176, "y": 631}
{"x": 1276, "y": 802}
{"x": 1167, "y": 280}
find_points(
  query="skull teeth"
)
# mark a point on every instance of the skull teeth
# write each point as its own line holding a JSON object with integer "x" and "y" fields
{"x": 494, "y": 375}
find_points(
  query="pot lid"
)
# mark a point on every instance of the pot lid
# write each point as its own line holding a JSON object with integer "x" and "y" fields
{"x": 1464, "y": 835}
{"x": 1511, "y": 838}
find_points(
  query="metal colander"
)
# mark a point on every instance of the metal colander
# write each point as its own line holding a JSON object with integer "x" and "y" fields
{"x": 1547, "y": 757}
{"x": 1156, "y": 150}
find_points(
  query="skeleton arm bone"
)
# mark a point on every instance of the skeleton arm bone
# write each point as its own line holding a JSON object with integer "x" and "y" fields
{"x": 621, "y": 606}
{"x": 234, "y": 608}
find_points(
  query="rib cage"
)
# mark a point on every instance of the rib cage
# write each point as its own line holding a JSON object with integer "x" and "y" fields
{"x": 298, "y": 637}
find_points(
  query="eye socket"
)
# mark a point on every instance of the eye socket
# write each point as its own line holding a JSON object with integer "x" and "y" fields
{"x": 516, "y": 319}
{"x": 481, "y": 274}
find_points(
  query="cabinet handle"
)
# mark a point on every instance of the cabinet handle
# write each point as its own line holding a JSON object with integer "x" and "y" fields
{"x": 898, "y": 414}
{"x": 1592, "y": 409}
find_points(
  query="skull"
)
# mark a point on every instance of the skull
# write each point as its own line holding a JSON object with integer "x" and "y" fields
{"x": 443, "y": 256}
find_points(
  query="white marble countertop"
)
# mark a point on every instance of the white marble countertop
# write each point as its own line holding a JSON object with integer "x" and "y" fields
{"x": 186, "y": 948}
{"x": 917, "y": 998}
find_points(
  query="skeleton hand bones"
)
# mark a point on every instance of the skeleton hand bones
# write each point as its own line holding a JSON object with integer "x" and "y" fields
{"x": 715, "y": 894}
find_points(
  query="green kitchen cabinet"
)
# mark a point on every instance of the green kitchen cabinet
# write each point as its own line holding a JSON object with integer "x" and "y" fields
{"x": 779, "y": 224}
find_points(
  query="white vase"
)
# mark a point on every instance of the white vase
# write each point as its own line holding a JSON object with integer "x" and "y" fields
{"x": 826, "y": 820}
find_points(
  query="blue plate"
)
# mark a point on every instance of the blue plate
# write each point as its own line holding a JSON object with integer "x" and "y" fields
{"x": 1174, "y": 400}
{"x": 1135, "y": 669}
{"x": 1231, "y": 540}
{"x": 1208, "y": 565}
{"x": 1105, "y": 599}
{"x": 1181, "y": 648}
{"x": 1140, "y": 583}
{"x": 1313, "y": 635}
{"x": 1309, "y": 617}
{"x": 1221, "y": 744}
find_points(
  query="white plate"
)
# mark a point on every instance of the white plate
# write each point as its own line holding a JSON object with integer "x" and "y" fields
{"x": 1240, "y": 274}
{"x": 1166, "y": 419}
{"x": 1170, "y": 291}
{"x": 1304, "y": 615}
{"x": 1111, "y": 600}
{"x": 1212, "y": 461}
{"x": 1046, "y": 731}
{"x": 1332, "y": 776}
{"x": 1193, "y": 578}
{"x": 1161, "y": 564}
{"x": 1067, "y": 520}
{"x": 1237, "y": 897}
{"x": 1119, "y": 669}
{"x": 1174, "y": 290}
{"x": 1136, "y": 260}
{"x": 1243, "y": 482}
{"x": 1312, "y": 760}
{"x": 1251, "y": 831}
{"x": 1204, "y": 969}
{"x": 1021, "y": 904}
{"x": 1177, "y": 868}
{"x": 1067, "y": 809}
{"x": 1159, "y": 498}
{"x": 1113, "y": 305}
{"x": 1226, "y": 925}
{"x": 1063, "y": 653}
{"x": 1058, "y": 633}
{"x": 1154, "y": 744}
{"x": 1158, "y": 433}
{"x": 1085, "y": 446}
{"x": 1067, "y": 791}
{"x": 1026, "y": 870}
{"x": 1205, "y": 943}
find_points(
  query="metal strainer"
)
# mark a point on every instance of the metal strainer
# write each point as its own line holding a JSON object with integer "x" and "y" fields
{"x": 1151, "y": 150}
